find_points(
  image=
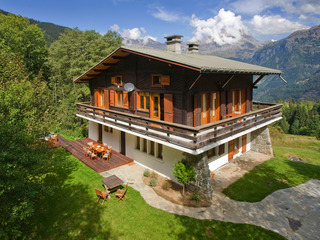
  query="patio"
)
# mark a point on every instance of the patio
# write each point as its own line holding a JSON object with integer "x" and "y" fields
{"x": 99, "y": 165}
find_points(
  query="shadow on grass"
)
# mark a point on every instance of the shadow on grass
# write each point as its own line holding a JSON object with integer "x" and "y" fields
{"x": 69, "y": 210}
{"x": 277, "y": 173}
{"x": 211, "y": 229}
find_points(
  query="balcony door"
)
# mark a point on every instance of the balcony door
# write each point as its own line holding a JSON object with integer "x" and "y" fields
{"x": 238, "y": 102}
{"x": 155, "y": 111}
{"x": 99, "y": 98}
{"x": 210, "y": 107}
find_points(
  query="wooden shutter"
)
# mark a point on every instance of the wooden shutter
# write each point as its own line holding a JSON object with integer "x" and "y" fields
{"x": 106, "y": 99}
{"x": 243, "y": 101}
{"x": 215, "y": 110}
{"x": 137, "y": 100}
{"x": 168, "y": 107}
{"x": 113, "y": 80}
{"x": 96, "y": 97}
{"x": 125, "y": 100}
{"x": 165, "y": 80}
{"x": 112, "y": 96}
{"x": 230, "y": 150}
{"x": 244, "y": 143}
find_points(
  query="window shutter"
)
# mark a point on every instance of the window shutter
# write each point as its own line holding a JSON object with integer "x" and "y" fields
{"x": 112, "y": 95}
{"x": 96, "y": 98}
{"x": 125, "y": 100}
{"x": 137, "y": 96}
{"x": 165, "y": 80}
{"x": 113, "y": 80}
{"x": 168, "y": 107}
{"x": 243, "y": 101}
{"x": 106, "y": 99}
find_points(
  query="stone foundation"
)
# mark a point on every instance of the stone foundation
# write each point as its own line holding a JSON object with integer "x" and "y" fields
{"x": 203, "y": 183}
{"x": 261, "y": 141}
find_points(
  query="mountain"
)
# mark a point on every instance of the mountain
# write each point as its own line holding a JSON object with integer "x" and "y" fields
{"x": 298, "y": 56}
{"x": 51, "y": 31}
{"x": 241, "y": 50}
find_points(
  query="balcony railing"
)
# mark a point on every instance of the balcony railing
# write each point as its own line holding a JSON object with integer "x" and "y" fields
{"x": 184, "y": 136}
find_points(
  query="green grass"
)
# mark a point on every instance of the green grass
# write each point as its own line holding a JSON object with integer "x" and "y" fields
{"x": 279, "y": 172}
{"x": 71, "y": 212}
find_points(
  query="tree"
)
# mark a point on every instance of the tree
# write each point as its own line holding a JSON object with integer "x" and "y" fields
{"x": 75, "y": 52}
{"x": 184, "y": 172}
{"x": 23, "y": 159}
{"x": 24, "y": 40}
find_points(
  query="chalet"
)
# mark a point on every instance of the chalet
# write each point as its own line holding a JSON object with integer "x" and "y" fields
{"x": 158, "y": 107}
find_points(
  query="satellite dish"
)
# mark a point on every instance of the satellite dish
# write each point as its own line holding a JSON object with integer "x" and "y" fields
{"x": 129, "y": 87}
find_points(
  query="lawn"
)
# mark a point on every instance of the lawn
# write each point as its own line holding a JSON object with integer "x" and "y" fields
{"x": 279, "y": 172}
{"x": 71, "y": 212}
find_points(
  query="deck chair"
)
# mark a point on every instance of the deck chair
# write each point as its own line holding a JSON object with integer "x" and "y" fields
{"x": 102, "y": 195}
{"x": 93, "y": 155}
{"x": 106, "y": 156}
{"x": 121, "y": 193}
{"x": 86, "y": 151}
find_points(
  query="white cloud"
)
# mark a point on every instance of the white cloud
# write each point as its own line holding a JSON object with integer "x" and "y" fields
{"x": 251, "y": 6}
{"x": 162, "y": 14}
{"x": 274, "y": 25}
{"x": 133, "y": 34}
{"x": 115, "y": 27}
{"x": 225, "y": 28}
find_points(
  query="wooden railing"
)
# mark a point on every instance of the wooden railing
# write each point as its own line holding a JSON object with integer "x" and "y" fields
{"x": 178, "y": 134}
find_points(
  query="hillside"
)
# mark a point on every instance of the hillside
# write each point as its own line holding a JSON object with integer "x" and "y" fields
{"x": 51, "y": 31}
{"x": 298, "y": 56}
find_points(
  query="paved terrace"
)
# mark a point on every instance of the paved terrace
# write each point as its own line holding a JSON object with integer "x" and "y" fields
{"x": 294, "y": 212}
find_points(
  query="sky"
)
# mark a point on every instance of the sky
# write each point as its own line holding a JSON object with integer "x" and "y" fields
{"x": 198, "y": 21}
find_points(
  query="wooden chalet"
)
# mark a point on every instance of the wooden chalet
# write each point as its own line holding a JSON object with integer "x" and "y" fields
{"x": 158, "y": 107}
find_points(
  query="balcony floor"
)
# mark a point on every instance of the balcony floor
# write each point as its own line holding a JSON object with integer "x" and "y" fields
{"x": 76, "y": 149}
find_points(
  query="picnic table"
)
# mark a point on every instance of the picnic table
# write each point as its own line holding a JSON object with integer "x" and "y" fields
{"x": 112, "y": 182}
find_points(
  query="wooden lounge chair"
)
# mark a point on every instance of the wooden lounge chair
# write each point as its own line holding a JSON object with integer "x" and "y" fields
{"x": 121, "y": 193}
{"x": 101, "y": 194}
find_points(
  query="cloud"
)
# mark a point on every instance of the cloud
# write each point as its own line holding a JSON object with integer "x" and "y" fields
{"x": 115, "y": 27}
{"x": 299, "y": 7}
{"x": 274, "y": 25}
{"x": 225, "y": 28}
{"x": 162, "y": 14}
{"x": 133, "y": 34}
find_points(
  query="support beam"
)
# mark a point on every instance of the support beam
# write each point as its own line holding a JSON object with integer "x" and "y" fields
{"x": 108, "y": 64}
{"x": 258, "y": 80}
{"x": 98, "y": 70}
{"x": 195, "y": 81}
{"x": 225, "y": 84}
{"x": 118, "y": 57}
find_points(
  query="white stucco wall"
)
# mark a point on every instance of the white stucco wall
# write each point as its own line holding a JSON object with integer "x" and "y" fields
{"x": 112, "y": 139}
{"x": 162, "y": 166}
{"x": 93, "y": 131}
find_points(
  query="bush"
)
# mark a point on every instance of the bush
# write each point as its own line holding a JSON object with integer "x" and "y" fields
{"x": 195, "y": 197}
{"x": 166, "y": 185}
{"x": 146, "y": 173}
{"x": 153, "y": 182}
{"x": 154, "y": 175}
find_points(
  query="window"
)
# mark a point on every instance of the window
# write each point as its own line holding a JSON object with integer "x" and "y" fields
{"x": 238, "y": 101}
{"x": 144, "y": 98}
{"x": 159, "y": 80}
{"x": 120, "y": 99}
{"x": 211, "y": 152}
{"x": 221, "y": 149}
{"x": 108, "y": 129}
{"x": 236, "y": 145}
{"x": 152, "y": 148}
{"x": 117, "y": 80}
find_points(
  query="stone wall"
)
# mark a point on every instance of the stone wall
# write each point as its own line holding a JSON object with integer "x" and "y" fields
{"x": 203, "y": 183}
{"x": 261, "y": 141}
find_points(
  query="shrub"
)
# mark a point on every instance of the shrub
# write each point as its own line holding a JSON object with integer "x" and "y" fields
{"x": 195, "y": 197}
{"x": 153, "y": 182}
{"x": 166, "y": 185}
{"x": 146, "y": 173}
{"x": 154, "y": 175}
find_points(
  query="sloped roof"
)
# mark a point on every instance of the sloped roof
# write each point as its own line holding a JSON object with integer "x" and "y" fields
{"x": 197, "y": 62}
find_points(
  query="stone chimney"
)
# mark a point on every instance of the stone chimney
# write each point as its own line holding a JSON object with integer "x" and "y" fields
{"x": 193, "y": 48}
{"x": 174, "y": 43}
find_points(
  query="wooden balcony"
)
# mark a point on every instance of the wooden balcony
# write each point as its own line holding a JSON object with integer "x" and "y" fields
{"x": 182, "y": 136}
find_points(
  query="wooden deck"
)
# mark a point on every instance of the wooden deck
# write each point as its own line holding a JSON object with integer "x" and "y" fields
{"x": 99, "y": 165}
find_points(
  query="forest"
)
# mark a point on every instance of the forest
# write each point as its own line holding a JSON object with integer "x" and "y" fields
{"x": 38, "y": 96}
